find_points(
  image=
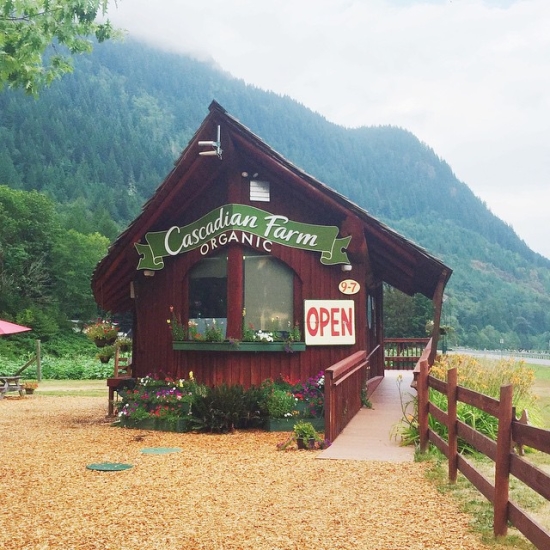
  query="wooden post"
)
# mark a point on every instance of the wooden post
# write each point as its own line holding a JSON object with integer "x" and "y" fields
{"x": 438, "y": 306}
{"x": 452, "y": 378}
{"x": 38, "y": 362}
{"x": 423, "y": 392}
{"x": 330, "y": 405}
{"x": 502, "y": 462}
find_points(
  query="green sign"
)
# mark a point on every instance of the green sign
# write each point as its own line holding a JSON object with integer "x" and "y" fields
{"x": 239, "y": 217}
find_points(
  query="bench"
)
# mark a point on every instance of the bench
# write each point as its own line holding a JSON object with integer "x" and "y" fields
{"x": 11, "y": 383}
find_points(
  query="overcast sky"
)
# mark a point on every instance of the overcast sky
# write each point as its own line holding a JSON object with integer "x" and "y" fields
{"x": 470, "y": 78}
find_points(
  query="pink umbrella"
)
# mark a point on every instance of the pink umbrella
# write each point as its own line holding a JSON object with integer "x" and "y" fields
{"x": 11, "y": 328}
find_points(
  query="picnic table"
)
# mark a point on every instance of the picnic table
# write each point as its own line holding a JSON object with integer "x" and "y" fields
{"x": 11, "y": 383}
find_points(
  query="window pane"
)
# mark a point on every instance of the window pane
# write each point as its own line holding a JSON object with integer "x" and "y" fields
{"x": 268, "y": 294}
{"x": 208, "y": 293}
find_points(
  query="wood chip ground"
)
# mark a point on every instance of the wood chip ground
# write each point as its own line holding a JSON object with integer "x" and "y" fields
{"x": 221, "y": 492}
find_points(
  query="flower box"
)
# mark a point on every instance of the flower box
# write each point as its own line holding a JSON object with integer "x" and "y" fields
{"x": 287, "y": 424}
{"x": 182, "y": 345}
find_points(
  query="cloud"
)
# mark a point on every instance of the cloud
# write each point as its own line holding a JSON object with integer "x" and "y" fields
{"x": 468, "y": 77}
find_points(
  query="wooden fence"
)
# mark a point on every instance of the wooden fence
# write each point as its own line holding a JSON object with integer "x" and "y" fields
{"x": 403, "y": 353}
{"x": 35, "y": 359}
{"x": 344, "y": 382}
{"x": 507, "y": 462}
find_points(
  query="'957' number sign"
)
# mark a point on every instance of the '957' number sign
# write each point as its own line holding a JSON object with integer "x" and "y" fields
{"x": 349, "y": 287}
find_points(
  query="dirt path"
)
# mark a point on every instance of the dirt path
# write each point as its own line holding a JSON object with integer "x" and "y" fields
{"x": 220, "y": 492}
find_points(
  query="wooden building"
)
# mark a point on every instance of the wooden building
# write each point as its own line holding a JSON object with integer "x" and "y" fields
{"x": 238, "y": 240}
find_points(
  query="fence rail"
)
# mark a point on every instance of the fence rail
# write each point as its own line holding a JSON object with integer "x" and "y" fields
{"x": 403, "y": 353}
{"x": 510, "y": 432}
{"x": 35, "y": 359}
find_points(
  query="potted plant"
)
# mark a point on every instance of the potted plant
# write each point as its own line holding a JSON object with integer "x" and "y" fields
{"x": 30, "y": 387}
{"x": 103, "y": 333}
{"x": 105, "y": 353}
{"x": 305, "y": 434}
{"x": 124, "y": 344}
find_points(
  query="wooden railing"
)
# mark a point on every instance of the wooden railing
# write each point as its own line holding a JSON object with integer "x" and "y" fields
{"x": 344, "y": 382}
{"x": 510, "y": 432}
{"x": 403, "y": 353}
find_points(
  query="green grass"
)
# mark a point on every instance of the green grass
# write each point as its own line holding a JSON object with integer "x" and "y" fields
{"x": 541, "y": 388}
{"x": 473, "y": 503}
{"x": 82, "y": 388}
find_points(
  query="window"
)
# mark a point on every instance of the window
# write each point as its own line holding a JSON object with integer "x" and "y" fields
{"x": 267, "y": 297}
{"x": 268, "y": 293}
{"x": 208, "y": 293}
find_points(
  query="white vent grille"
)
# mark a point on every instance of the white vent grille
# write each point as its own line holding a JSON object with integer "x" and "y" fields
{"x": 259, "y": 191}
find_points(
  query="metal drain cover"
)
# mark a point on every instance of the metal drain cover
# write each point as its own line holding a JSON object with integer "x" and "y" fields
{"x": 160, "y": 450}
{"x": 109, "y": 466}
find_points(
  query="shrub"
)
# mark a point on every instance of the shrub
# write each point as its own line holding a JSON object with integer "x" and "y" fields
{"x": 281, "y": 404}
{"x": 225, "y": 408}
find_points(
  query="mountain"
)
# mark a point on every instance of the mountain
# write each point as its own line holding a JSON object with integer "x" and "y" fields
{"x": 101, "y": 140}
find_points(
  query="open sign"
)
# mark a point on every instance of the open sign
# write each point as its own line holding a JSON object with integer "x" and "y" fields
{"x": 329, "y": 322}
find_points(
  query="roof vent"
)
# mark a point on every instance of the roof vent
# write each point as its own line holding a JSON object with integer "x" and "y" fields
{"x": 259, "y": 191}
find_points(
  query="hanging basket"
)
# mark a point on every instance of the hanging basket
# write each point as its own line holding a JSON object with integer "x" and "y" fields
{"x": 102, "y": 342}
{"x": 104, "y": 359}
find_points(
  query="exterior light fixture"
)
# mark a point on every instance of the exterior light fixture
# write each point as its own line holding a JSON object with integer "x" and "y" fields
{"x": 148, "y": 273}
{"x": 346, "y": 267}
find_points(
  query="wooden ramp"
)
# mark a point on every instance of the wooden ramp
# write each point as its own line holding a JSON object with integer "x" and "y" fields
{"x": 371, "y": 433}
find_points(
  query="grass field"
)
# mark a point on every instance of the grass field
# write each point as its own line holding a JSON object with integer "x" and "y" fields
{"x": 541, "y": 388}
{"x": 83, "y": 388}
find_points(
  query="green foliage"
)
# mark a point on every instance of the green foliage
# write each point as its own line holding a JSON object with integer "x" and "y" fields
{"x": 29, "y": 28}
{"x": 75, "y": 256}
{"x": 225, "y": 408}
{"x": 487, "y": 376}
{"x": 405, "y": 316}
{"x": 305, "y": 436}
{"x": 305, "y": 430}
{"x": 83, "y": 367}
{"x": 44, "y": 271}
{"x": 69, "y": 356}
{"x": 105, "y": 353}
{"x": 281, "y": 404}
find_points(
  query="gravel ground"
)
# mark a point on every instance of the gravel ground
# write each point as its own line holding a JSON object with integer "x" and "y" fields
{"x": 222, "y": 492}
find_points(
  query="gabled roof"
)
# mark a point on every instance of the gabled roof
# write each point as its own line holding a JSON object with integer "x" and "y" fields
{"x": 393, "y": 259}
